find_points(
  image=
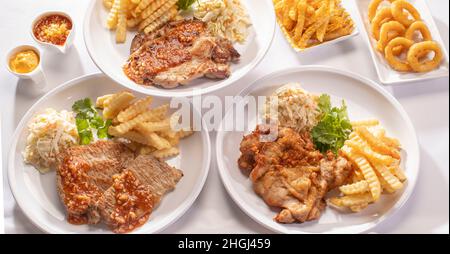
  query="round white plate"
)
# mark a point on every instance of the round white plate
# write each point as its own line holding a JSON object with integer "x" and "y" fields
{"x": 110, "y": 57}
{"x": 37, "y": 196}
{"x": 365, "y": 99}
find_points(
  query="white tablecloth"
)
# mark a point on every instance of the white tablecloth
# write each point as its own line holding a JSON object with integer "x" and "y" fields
{"x": 427, "y": 103}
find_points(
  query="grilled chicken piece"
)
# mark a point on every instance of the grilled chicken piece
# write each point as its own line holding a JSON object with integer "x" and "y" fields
{"x": 178, "y": 53}
{"x": 291, "y": 174}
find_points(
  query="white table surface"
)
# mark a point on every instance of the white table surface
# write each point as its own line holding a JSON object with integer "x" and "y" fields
{"x": 427, "y": 103}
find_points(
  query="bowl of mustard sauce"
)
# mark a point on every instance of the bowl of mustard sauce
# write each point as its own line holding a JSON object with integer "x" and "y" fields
{"x": 25, "y": 62}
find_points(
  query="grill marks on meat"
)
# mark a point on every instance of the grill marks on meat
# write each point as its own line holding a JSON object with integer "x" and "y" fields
{"x": 105, "y": 181}
{"x": 178, "y": 53}
{"x": 291, "y": 174}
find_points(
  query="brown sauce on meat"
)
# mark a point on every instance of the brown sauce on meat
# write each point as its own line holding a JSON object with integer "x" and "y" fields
{"x": 167, "y": 50}
{"x": 133, "y": 199}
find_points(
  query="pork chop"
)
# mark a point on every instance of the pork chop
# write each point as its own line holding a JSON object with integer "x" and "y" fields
{"x": 135, "y": 192}
{"x": 84, "y": 173}
{"x": 128, "y": 203}
{"x": 178, "y": 53}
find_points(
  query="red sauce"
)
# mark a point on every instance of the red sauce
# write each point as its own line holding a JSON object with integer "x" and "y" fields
{"x": 133, "y": 203}
{"x": 80, "y": 194}
{"x": 53, "y": 29}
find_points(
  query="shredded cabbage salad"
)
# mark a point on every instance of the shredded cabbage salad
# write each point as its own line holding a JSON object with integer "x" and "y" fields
{"x": 225, "y": 18}
{"x": 49, "y": 133}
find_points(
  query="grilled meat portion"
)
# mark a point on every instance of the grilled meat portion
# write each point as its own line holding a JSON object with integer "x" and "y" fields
{"x": 291, "y": 174}
{"x": 178, "y": 53}
{"x": 128, "y": 203}
{"x": 84, "y": 173}
{"x": 104, "y": 181}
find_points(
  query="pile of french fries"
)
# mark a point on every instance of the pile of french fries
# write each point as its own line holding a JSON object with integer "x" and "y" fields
{"x": 145, "y": 15}
{"x": 376, "y": 158}
{"x": 307, "y": 23}
{"x": 149, "y": 131}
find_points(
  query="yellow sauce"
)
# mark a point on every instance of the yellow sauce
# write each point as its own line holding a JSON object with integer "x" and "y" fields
{"x": 24, "y": 62}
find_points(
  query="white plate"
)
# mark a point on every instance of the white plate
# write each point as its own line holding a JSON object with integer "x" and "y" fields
{"x": 385, "y": 73}
{"x": 110, "y": 57}
{"x": 365, "y": 99}
{"x": 350, "y": 7}
{"x": 37, "y": 196}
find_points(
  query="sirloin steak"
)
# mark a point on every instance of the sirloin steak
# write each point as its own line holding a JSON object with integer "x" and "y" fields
{"x": 178, "y": 53}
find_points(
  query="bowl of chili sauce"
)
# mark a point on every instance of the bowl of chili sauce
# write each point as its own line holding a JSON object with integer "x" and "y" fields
{"x": 53, "y": 30}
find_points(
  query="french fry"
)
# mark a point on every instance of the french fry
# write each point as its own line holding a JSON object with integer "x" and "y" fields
{"x": 145, "y": 150}
{"x": 153, "y": 7}
{"x": 361, "y": 147}
{"x": 301, "y": 12}
{"x": 142, "y": 6}
{"x": 366, "y": 123}
{"x": 375, "y": 144}
{"x": 320, "y": 33}
{"x": 100, "y": 102}
{"x": 165, "y": 153}
{"x": 157, "y": 14}
{"x": 137, "y": 108}
{"x": 358, "y": 208}
{"x": 355, "y": 188}
{"x": 162, "y": 20}
{"x": 119, "y": 102}
{"x": 159, "y": 142}
{"x": 320, "y": 18}
{"x": 392, "y": 142}
{"x": 121, "y": 30}
{"x": 111, "y": 22}
{"x": 155, "y": 126}
{"x": 398, "y": 172}
{"x": 390, "y": 179}
{"x": 369, "y": 173}
{"x": 352, "y": 200}
{"x": 184, "y": 134}
{"x": 287, "y": 22}
{"x": 153, "y": 115}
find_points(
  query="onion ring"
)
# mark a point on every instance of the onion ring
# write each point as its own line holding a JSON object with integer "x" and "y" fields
{"x": 373, "y": 8}
{"x": 416, "y": 52}
{"x": 392, "y": 60}
{"x": 382, "y": 16}
{"x": 398, "y": 11}
{"x": 422, "y": 28}
{"x": 386, "y": 36}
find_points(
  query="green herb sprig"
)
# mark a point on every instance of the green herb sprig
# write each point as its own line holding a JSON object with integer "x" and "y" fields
{"x": 89, "y": 123}
{"x": 333, "y": 128}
